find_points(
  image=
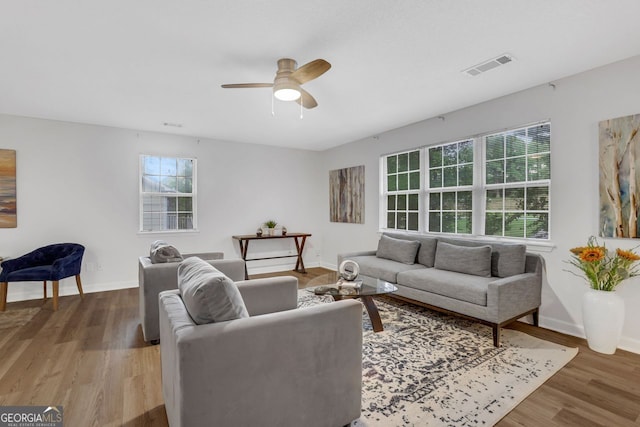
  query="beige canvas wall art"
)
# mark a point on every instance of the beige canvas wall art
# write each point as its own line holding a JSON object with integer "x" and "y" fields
{"x": 619, "y": 169}
{"x": 346, "y": 195}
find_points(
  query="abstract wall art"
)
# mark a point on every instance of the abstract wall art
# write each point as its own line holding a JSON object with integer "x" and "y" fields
{"x": 8, "y": 217}
{"x": 619, "y": 170}
{"x": 346, "y": 195}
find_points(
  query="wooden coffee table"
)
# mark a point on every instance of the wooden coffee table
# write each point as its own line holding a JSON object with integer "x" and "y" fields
{"x": 366, "y": 293}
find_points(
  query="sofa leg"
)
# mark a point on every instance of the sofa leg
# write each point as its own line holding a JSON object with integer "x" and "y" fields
{"x": 496, "y": 336}
{"x": 44, "y": 290}
{"x": 3, "y": 295}
{"x": 56, "y": 287}
{"x": 536, "y": 321}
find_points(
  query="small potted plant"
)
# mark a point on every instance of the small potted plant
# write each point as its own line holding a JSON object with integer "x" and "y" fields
{"x": 270, "y": 225}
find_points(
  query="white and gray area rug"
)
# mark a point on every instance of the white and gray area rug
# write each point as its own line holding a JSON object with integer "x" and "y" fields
{"x": 431, "y": 369}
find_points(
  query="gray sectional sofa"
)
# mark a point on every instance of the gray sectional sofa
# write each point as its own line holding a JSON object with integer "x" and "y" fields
{"x": 492, "y": 282}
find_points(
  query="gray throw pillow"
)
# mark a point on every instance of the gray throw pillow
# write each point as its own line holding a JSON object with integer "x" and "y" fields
{"x": 209, "y": 295}
{"x": 400, "y": 250}
{"x": 463, "y": 259}
{"x": 161, "y": 251}
{"x": 508, "y": 260}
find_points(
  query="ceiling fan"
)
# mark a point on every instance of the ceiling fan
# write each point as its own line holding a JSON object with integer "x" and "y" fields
{"x": 289, "y": 78}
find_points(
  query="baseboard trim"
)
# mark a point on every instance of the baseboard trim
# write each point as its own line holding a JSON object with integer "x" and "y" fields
{"x": 280, "y": 268}
{"x": 18, "y": 292}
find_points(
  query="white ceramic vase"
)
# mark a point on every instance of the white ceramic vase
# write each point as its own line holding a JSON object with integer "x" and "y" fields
{"x": 603, "y": 315}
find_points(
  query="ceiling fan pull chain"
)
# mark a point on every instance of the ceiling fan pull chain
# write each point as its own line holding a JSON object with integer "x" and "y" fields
{"x": 273, "y": 112}
{"x": 301, "y": 114}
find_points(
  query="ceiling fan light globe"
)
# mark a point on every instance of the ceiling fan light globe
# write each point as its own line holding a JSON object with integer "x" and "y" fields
{"x": 286, "y": 94}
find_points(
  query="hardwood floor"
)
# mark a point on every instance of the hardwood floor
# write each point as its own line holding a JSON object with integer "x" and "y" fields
{"x": 89, "y": 356}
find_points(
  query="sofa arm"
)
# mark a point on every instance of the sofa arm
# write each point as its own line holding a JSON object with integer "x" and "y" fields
{"x": 295, "y": 367}
{"x": 232, "y": 268}
{"x": 512, "y": 296}
{"x": 349, "y": 255}
{"x": 269, "y": 295}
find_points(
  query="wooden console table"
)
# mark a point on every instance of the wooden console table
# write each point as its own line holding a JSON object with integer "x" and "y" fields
{"x": 298, "y": 238}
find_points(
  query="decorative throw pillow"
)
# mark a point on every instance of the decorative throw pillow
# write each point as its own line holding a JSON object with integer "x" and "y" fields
{"x": 463, "y": 259}
{"x": 508, "y": 260}
{"x": 400, "y": 250}
{"x": 209, "y": 295}
{"x": 161, "y": 252}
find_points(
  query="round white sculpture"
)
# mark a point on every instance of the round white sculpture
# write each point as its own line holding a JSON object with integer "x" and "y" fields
{"x": 349, "y": 270}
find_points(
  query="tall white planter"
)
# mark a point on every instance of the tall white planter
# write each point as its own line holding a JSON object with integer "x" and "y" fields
{"x": 603, "y": 315}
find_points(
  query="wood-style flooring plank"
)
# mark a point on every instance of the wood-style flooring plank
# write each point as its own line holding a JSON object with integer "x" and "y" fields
{"x": 89, "y": 357}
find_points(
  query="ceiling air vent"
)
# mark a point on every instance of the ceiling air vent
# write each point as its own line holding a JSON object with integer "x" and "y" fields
{"x": 489, "y": 65}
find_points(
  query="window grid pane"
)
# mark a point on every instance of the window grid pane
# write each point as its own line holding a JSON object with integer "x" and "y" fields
{"x": 403, "y": 190}
{"x": 521, "y": 157}
{"x": 450, "y": 168}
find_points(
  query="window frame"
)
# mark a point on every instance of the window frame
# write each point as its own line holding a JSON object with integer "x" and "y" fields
{"x": 478, "y": 188}
{"x": 192, "y": 195}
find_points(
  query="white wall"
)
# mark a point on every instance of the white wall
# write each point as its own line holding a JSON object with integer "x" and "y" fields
{"x": 575, "y": 107}
{"x": 79, "y": 183}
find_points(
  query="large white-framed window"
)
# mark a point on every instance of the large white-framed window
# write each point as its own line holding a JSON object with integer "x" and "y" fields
{"x": 496, "y": 184}
{"x": 517, "y": 182}
{"x": 167, "y": 194}
{"x": 402, "y": 190}
{"x": 449, "y": 188}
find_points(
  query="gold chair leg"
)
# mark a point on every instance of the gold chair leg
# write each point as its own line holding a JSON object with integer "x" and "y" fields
{"x": 3, "y": 295}
{"x": 55, "y": 295}
{"x": 44, "y": 289}
{"x": 79, "y": 283}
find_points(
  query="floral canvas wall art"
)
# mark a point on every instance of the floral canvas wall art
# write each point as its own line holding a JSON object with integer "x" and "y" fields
{"x": 8, "y": 217}
{"x": 346, "y": 195}
{"x": 619, "y": 169}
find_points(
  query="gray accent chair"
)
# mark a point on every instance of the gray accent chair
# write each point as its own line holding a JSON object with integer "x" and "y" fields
{"x": 155, "y": 278}
{"x": 282, "y": 366}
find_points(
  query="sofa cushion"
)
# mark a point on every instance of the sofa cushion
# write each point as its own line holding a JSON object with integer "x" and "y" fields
{"x": 427, "y": 251}
{"x": 508, "y": 260}
{"x": 380, "y": 268}
{"x": 161, "y": 251}
{"x": 209, "y": 295}
{"x": 461, "y": 287}
{"x": 397, "y": 249}
{"x": 463, "y": 259}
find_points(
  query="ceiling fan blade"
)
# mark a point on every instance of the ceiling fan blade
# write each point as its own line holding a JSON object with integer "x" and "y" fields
{"x": 310, "y": 71}
{"x": 246, "y": 85}
{"x": 306, "y": 100}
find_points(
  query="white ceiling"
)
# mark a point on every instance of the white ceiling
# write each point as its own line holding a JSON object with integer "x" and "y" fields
{"x": 138, "y": 64}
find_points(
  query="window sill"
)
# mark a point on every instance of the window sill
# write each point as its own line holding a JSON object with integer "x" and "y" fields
{"x": 193, "y": 231}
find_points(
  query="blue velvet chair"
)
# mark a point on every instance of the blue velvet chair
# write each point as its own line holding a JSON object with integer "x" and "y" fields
{"x": 49, "y": 263}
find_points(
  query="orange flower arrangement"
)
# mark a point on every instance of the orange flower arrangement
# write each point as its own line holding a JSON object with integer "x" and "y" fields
{"x": 601, "y": 270}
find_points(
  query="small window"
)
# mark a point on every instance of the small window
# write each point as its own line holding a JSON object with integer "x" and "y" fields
{"x": 167, "y": 194}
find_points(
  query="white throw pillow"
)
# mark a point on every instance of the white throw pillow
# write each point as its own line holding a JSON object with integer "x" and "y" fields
{"x": 161, "y": 251}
